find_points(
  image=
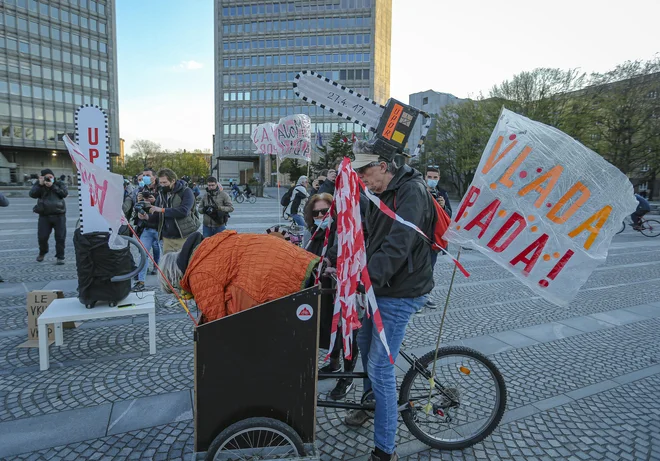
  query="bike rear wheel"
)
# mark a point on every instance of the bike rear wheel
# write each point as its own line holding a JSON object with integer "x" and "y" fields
{"x": 650, "y": 228}
{"x": 240, "y": 199}
{"x": 467, "y": 400}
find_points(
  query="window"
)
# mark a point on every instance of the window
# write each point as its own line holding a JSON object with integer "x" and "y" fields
{"x": 425, "y": 101}
{"x": 4, "y": 108}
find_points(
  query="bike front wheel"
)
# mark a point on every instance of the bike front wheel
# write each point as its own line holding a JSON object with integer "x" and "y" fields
{"x": 252, "y": 199}
{"x": 623, "y": 226}
{"x": 467, "y": 398}
{"x": 650, "y": 228}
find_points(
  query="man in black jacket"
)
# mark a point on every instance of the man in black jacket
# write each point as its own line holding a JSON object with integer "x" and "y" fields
{"x": 399, "y": 264}
{"x": 51, "y": 208}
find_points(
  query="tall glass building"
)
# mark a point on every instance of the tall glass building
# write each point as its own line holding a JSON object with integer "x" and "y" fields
{"x": 55, "y": 55}
{"x": 261, "y": 45}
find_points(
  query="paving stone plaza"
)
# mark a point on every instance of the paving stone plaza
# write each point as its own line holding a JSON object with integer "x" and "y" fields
{"x": 583, "y": 381}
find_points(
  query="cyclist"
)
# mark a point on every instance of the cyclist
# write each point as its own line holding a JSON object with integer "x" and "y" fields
{"x": 235, "y": 190}
{"x": 643, "y": 207}
{"x": 247, "y": 190}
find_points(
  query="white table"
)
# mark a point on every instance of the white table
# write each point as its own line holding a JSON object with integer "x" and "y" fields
{"x": 71, "y": 310}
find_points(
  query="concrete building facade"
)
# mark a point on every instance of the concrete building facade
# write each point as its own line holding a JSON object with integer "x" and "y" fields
{"x": 55, "y": 55}
{"x": 259, "y": 48}
{"x": 432, "y": 103}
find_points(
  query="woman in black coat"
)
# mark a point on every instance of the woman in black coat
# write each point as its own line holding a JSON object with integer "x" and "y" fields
{"x": 317, "y": 221}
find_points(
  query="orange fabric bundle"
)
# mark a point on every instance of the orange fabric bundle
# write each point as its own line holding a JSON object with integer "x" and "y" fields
{"x": 231, "y": 272}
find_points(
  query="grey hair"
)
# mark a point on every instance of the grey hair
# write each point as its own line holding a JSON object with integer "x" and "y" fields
{"x": 171, "y": 270}
{"x": 301, "y": 180}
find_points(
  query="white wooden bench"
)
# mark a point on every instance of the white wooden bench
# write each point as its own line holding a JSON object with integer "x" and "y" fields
{"x": 71, "y": 310}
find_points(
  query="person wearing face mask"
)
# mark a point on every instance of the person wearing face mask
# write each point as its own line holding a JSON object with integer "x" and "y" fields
{"x": 146, "y": 228}
{"x": 438, "y": 193}
{"x": 318, "y": 220}
{"x": 175, "y": 211}
{"x": 51, "y": 208}
{"x": 215, "y": 206}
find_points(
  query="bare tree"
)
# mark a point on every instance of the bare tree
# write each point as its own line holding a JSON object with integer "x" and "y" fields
{"x": 146, "y": 151}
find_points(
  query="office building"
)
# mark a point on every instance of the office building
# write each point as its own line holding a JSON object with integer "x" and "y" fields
{"x": 432, "y": 103}
{"x": 259, "y": 48}
{"x": 55, "y": 55}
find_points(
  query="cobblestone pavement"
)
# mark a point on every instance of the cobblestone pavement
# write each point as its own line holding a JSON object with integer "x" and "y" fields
{"x": 583, "y": 381}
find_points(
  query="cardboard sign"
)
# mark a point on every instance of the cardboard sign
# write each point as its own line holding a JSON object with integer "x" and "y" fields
{"x": 543, "y": 206}
{"x": 37, "y": 302}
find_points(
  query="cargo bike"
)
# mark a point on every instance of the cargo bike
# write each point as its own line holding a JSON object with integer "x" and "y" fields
{"x": 256, "y": 386}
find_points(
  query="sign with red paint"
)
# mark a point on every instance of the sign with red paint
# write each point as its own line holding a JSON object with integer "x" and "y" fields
{"x": 543, "y": 206}
{"x": 106, "y": 192}
{"x": 92, "y": 135}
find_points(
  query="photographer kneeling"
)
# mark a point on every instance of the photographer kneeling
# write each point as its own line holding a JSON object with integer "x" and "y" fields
{"x": 215, "y": 206}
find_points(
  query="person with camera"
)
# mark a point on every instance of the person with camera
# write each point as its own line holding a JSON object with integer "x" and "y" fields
{"x": 215, "y": 206}
{"x": 146, "y": 228}
{"x": 174, "y": 211}
{"x": 51, "y": 208}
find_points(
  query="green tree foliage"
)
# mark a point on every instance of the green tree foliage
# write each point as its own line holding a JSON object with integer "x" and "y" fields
{"x": 149, "y": 154}
{"x": 293, "y": 168}
{"x": 456, "y": 140}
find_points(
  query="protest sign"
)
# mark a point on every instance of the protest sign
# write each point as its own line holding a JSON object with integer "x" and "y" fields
{"x": 106, "y": 192}
{"x": 92, "y": 135}
{"x": 543, "y": 206}
{"x": 290, "y": 138}
{"x": 263, "y": 137}
{"x": 294, "y": 137}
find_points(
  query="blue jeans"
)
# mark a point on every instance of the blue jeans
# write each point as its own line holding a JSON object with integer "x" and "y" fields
{"x": 150, "y": 241}
{"x": 298, "y": 220}
{"x": 395, "y": 313}
{"x": 211, "y": 231}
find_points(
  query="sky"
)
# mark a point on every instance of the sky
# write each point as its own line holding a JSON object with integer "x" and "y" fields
{"x": 165, "y": 53}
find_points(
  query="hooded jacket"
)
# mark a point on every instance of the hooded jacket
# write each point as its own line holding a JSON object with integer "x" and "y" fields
{"x": 232, "y": 272}
{"x": 298, "y": 200}
{"x": 50, "y": 200}
{"x": 180, "y": 218}
{"x": 398, "y": 258}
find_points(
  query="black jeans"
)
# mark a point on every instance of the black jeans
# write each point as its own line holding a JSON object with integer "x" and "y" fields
{"x": 46, "y": 225}
{"x": 637, "y": 216}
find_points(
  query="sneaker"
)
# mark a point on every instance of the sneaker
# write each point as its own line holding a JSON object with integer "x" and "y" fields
{"x": 329, "y": 368}
{"x": 139, "y": 286}
{"x": 343, "y": 387}
{"x": 40, "y": 258}
{"x": 430, "y": 304}
{"x": 374, "y": 457}
{"x": 357, "y": 418}
{"x": 153, "y": 272}
{"x": 60, "y": 261}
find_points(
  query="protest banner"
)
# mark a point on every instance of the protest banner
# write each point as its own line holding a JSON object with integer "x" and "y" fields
{"x": 543, "y": 206}
{"x": 263, "y": 137}
{"x": 294, "y": 137}
{"x": 106, "y": 192}
{"x": 92, "y": 137}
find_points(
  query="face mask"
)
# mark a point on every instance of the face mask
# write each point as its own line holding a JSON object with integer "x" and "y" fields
{"x": 141, "y": 183}
{"x": 146, "y": 180}
{"x": 322, "y": 223}
{"x": 432, "y": 182}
